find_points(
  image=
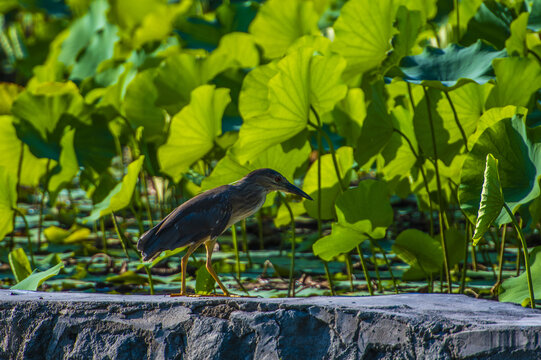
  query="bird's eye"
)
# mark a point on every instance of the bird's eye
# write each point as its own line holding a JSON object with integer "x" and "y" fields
{"x": 278, "y": 179}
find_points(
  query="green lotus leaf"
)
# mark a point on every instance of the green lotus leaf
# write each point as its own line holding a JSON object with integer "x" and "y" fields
{"x": 350, "y": 114}
{"x": 141, "y": 109}
{"x": 279, "y": 23}
{"x": 446, "y": 149}
{"x": 363, "y": 34}
{"x": 8, "y": 201}
{"x": 515, "y": 289}
{"x": 19, "y": 264}
{"x": 44, "y": 105}
{"x": 67, "y": 165}
{"x": 34, "y": 280}
{"x": 141, "y": 22}
{"x": 377, "y": 127}
{"x": 121, "y": 195}
{"x": 534, "y": 22}
{"x": 204, "y": 282}
{"x": 8, "y": 93}
{"x": 417, "y": 248}
{"x": 516, "y": 80}
{"x": 91, "y": 41}
{"x": 516, "y": 44}
{"x": 469, "y": 103}
{"x": 376, "y": 208}
{"x": 10, "y": 152}
{"x": 427, "y": 9}
{"x": 341, "y": 240}
{"x": 254, "y": 96}
{"x": 491, "y": 23}
{"x": 519, "y": 167}
{"x": 330, "y": 188}
{"x": 228, "y": 169}
{"x": 193, "y": 130}
{"x": 409, "y": 25}
{"x": 449, "y": 68}
{"x": 491, "y": 199}
{"x": 492, "y": 116}
{"x": 303, "y": 80}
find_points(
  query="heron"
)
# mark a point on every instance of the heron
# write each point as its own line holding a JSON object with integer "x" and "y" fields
{"x": 206, "y": 216}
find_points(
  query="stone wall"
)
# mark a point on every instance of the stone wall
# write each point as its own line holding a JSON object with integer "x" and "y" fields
{"x": 36, "y": 325}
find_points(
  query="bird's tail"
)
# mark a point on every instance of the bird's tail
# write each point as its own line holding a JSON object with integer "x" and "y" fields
{"x": 147, "y": 244}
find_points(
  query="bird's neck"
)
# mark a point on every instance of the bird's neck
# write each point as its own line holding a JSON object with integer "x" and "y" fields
{"x": 246, "y": 199}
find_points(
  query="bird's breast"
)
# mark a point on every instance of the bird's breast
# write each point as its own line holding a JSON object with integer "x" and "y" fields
{"x": 246, "y": 207}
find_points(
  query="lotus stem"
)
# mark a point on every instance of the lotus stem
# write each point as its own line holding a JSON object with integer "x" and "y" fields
{"x": 365, "y": 271}
{"x": 440, "y": 195}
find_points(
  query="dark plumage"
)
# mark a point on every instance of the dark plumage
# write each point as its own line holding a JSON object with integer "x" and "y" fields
{"x": 203, "y": 218}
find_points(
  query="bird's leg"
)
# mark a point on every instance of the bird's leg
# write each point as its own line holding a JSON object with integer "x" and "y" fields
{"x": 209, "y": 245}
{"x": 183, "y": 265}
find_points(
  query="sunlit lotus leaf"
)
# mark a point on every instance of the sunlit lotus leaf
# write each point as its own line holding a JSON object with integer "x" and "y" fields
{"x": 515, "y": 289}
{"x": 180, "y": 74}
{"x": 492, "y": 116}
{"x": 509, "y": 141}
{"x": 363, "y": 34}
{"x": 254, "y": 96}
{"x": 341, "y": 240}
{"x": 375, "y": 214}
{"x": 516, "y": 43}
{"x": 44, "y": 105}
{"x": 75, "y": 234}
{"x": 303, "y": 80}
{"x": 449, "y": 68}
{"x": 67, "y": 164}
{"x": 8, "y": 201}
{"x": 279, "y": 23}
{"x": 491, "y": 199}
{"x": 121, "y": 195}
{"x": 417, "y": 248}
{"x": 446, "y": 150}
{"x": 19, "y": 264}
{"x": 34, "y": 280}
{"x": 8, "y": 93}
{"x": 228, "y": 169}
{"x": 144, "y": 21}
{"x": 349, "y": 115}
{"x": 469, "y": 104}
{"x": 91, "y": 40}
{"x": 330, "y": 188}
{"x": 516, "y": 80}
{"x": 193, "y": 130}
{"x": 140, "y": 106}
{"x": 10, "y": 153}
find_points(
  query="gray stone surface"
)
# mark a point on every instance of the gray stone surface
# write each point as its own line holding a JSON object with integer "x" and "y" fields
{"x": 37, "y": 325}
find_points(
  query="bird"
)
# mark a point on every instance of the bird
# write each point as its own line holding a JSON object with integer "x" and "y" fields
{"x": 206, "y": 216}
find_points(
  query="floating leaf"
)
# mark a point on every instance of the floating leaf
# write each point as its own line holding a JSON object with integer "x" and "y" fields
{"x": 20, "y": 265}
{"x": 193, "y": 130}
{"x": 58, "y": 235}
{"x": 34, "y": 280}
{"x": 491, "y": 199}
{"x": 449, "y": 68}
{"x": 121, "y": 195}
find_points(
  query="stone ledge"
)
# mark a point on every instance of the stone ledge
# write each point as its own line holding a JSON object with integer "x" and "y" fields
{"x": 36, "y": 325}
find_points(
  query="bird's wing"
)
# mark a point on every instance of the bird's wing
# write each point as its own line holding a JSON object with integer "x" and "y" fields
{"x": 203, "y": 216}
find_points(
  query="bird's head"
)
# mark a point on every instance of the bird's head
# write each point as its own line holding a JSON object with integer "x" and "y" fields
{"x": 272, "y": 180}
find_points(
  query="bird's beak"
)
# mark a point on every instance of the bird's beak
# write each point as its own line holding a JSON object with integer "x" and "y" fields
{"x": 290, "y": 188}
